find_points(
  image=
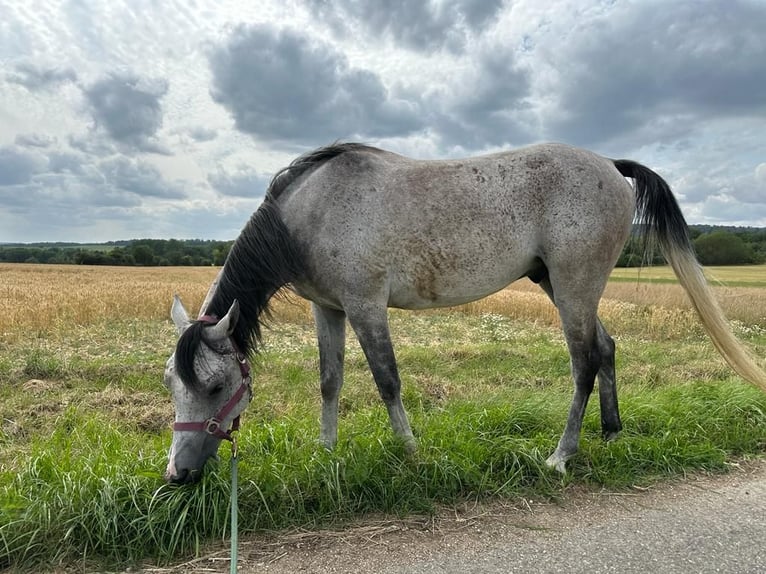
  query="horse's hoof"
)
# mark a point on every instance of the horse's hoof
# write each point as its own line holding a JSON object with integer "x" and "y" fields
{"x": 555, "y": 462}
{"x": 410, "y": 446}
{"x": 327, "y": 444}
{"x": 609, "y": 436}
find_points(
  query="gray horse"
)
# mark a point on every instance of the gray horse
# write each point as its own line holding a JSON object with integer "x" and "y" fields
{"x": 356, "y": 230}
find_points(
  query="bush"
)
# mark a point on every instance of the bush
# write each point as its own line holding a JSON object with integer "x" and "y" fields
{"x": 723, "y": 248}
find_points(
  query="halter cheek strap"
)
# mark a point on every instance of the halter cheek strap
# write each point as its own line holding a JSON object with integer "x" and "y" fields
{"x": 212, "y": 426}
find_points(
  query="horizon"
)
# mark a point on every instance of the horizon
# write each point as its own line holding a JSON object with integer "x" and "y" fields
{"x": 201, "y": 239}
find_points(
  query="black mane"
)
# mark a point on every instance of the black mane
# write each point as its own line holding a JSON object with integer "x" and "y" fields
{"x": 263, "y": 259}
{"x": 287, "y": 175}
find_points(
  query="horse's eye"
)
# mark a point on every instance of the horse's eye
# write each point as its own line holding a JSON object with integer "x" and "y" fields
{"x": 216, "y": 390}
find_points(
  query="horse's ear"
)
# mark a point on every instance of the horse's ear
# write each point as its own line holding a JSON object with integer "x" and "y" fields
{"x": 179, "y": 315}
{"x": 225, "y": 326}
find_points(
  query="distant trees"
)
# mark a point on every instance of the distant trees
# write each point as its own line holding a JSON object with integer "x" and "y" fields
{"x": 723, "y": 248}
{"x": 143, "y": 252}
{"x": 143, "y": 255}
{"x": 633, "y": 254}
{"x": 714, "y": 246}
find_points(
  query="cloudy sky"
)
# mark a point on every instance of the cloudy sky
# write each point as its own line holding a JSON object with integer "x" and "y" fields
{"x": 161, "y": 119}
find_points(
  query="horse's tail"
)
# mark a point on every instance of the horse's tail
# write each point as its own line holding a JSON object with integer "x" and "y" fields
{"x": 660, "y": 217}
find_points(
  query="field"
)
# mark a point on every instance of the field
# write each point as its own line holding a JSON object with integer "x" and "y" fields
{"x": 731, "y": 276}
{"x": 84, "y": 419}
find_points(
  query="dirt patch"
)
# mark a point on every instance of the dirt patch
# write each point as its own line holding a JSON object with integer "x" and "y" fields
{"x": 40, "y": 386}
{"x": 141, "y": 408}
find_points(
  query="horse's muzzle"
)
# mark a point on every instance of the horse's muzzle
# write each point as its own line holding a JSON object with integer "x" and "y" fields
{"x": 184, "y": 476}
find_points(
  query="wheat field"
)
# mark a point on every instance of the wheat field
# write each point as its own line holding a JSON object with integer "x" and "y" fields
{"x": 46, "y": 298}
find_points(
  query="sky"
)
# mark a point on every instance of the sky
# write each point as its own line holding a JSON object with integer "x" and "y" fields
{"x": 160, "y": 119}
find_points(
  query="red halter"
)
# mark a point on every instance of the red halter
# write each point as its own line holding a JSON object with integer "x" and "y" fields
{"x": 212, "y": 426}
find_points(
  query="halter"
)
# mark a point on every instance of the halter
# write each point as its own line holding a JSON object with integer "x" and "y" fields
{"x": 212, "y": 426}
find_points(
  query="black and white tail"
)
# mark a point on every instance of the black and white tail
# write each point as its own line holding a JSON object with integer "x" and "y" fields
{"x": 660, "y": 217}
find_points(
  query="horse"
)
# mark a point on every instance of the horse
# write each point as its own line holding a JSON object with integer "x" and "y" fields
{"x": 356, "y": 230}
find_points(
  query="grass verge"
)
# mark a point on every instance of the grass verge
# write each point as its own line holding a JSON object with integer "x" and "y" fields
{"x": 92, "y": 490}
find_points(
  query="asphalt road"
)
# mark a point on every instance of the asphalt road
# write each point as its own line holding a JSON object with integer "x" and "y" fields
{"x": 711, "y": 530}
{"x": 703, "y": 524}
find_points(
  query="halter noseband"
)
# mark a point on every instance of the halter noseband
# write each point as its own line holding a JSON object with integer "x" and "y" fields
{"x": 212, "y": 426}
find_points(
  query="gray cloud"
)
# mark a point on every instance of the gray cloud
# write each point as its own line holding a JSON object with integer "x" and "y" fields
{"x": 128, "y": 107}
{"x": 718, "y": 209}
{"x": 241, "y": 184}
{"x": 202, "y": 134}
{"x": 62, "y": 204}
{"x": 424, "y": 25}
{"x": 69, "y": 196}
{"x": 64, "y": 161}
{"x": 35, "y": 77}
{"x": 662, "y": 67}
{"x": 18, "y": 166}
{"x": 92, "y": 144}
{"x": 57, "y": 181}
{"x": 487, "y": 106}
{"x": 282, "y": 85}
{"x": 34, "y": 140}
{"x": 742, "y": 188}
{"x": 137, "y": 177}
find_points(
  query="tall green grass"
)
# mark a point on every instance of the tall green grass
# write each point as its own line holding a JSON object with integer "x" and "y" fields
{"x": 92, "y": 489}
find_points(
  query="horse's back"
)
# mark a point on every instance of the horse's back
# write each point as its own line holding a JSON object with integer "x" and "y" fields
{"x": 430, "y": 233}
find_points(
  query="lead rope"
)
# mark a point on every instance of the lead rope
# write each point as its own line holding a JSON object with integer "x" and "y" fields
{"x": 234, "y": 509}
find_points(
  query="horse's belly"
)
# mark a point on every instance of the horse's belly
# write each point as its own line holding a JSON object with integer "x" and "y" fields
{"x": 429, "y": 286}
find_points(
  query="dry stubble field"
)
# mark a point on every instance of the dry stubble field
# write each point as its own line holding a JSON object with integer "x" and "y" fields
{"x": 40, "y": 299}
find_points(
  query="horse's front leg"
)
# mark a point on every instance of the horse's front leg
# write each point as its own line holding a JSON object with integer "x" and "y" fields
{"x": 370, "y": 323}
{"x": 331, "y": 336}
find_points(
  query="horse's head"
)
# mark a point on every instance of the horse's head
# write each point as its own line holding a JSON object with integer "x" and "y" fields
{"x": 208, "y": 378}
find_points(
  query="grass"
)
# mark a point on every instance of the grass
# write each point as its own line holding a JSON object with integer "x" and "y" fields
{"x": 84, "y": 419}
{"x": 729, "y": 275}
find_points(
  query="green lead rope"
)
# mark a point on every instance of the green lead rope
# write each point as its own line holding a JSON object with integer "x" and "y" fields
{"x": 234, "y": 510}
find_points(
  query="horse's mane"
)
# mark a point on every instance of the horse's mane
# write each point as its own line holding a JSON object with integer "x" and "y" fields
{"x": 263, "y": 259}
{"x": 287, "y": 175}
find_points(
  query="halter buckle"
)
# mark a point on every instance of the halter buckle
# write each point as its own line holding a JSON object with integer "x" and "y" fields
{"x": 212, "y": 426}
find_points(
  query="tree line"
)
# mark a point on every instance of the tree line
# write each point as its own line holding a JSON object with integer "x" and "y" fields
{"x": 140, "y": 252}
{"x": 714, "y": 245}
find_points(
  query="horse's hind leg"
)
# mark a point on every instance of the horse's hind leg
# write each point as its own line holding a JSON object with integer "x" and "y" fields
{"x": 370, "y": 323}
{"x": 577, "y": 303}
{"x": 607, "y": 386}
{"x": 331, "y": 336}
